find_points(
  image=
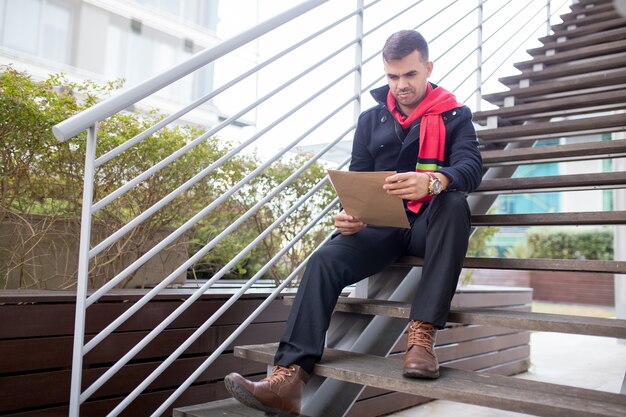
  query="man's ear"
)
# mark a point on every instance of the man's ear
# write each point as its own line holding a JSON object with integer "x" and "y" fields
{"x": 429, "y": 65}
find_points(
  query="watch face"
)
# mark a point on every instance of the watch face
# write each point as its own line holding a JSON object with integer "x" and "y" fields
{"x": 436, "y": 186}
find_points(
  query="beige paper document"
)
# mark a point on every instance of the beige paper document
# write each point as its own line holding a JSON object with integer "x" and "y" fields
{"x": 362, "y": 196}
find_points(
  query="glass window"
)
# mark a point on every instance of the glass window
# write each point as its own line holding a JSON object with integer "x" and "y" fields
{"x": 3, "y": 5}
{"x": 112, "y": 57}
{"x": 139, "y": 61}
{"x": 21, "y": 30}
{"x": 56, "y": 33}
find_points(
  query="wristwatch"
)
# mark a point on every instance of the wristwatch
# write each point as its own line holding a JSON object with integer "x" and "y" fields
{"x": 435, "y": 187}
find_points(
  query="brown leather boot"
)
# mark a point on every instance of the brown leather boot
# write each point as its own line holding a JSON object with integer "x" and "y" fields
{"x": 280, "y": 392}
{"x": 420, "y": 360}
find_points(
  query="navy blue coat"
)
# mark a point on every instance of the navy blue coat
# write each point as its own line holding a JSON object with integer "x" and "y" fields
{"x": 380, "y": 144}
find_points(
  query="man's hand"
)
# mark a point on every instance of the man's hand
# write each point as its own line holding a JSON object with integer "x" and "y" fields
{"x": 411, "y": 185}
{"x": 348, "y": 225}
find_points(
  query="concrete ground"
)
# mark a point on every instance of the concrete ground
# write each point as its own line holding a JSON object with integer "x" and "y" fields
{"x": 583, "y": 361}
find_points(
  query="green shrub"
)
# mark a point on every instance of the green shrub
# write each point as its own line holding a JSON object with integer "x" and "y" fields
{"x": 559, "y": 243}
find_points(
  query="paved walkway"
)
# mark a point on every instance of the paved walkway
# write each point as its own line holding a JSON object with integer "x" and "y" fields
{"x": 583, "y": 361}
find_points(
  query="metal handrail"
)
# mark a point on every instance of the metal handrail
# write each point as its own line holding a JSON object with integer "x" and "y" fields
{"x": 89, "y": 119}
{"x": 141, "y": 136}
{"x": 83, "y": 120}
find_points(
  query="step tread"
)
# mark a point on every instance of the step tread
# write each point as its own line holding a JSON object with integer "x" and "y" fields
{"x": 228, "y": 407}
{"x": 572, "y": 87}
{"x": 543, "y": 128}
{"x": 587, "y": 20}
{"x": 569, "y": 265}
{"x": 556, "y": 106}
{"x": 585, "y": 30}
{"x": 515, "y": 319}
{"x": 558, "y": 71}
{"x": 556, "y": 153}
{"x": 592, "y": 39}
{"x": 552, "y": 183}
{"x": 495, "y": 391}
{"x": 575, "y": 54}
{"x": 548, "y": 219}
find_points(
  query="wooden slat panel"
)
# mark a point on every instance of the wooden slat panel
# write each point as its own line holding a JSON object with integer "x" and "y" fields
{"x": 594, "y": 181}
{"x": 550, "y": 219}
{"x": 42, "y": 388}
{"x": 500, "y": 318}
{"x": 456, "y": 385}
{"x": 149, "y": 316}
{"x": 19, "y": 355}
{"x": 574, "y": 265}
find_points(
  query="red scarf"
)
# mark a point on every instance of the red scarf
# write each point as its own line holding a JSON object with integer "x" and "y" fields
{"x": 431, "y": 154}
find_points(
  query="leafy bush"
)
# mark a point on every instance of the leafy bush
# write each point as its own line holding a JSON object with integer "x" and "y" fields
{"x": 553, "y": 243}
{"x": 39, "y": 176}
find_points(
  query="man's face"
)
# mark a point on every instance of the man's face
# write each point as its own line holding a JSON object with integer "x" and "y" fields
{"x": 407, "y": 78}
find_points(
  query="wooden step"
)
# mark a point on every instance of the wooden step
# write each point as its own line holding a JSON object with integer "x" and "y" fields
{"x": 579, "y": 104}
{"x": 513, "y": 319}
{"x": 597, "y": 9}
{"x": 583, "y": 5}
{"x": 551, "y": 219}
{"x": 585, "y": 52}
{"x": 591, "y": 39}
{"x": 544, "y": 130}
{"x": 557, "y": 153}
{"x": 587, "y": 20}
{"x": 567, "y": 265}
{"x": 559, "y": 71}
{"x": 574, "y": 182}
{"x": 586, "y": 30}
{"x": 494, "y": 391}
{"x": 609, "y": 80}
{"x": 230, "y": 407}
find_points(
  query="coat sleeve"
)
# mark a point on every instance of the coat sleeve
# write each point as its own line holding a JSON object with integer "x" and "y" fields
{"x": 362, "y": 159}
{"x": 466, "y": 167}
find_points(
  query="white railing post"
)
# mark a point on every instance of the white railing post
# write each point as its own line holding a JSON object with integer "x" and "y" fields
{"x": 358, "y": 59}
{"x": 479, "y": 57}
{"x": 83, "y": 272}
{"x": 548, "y": 15}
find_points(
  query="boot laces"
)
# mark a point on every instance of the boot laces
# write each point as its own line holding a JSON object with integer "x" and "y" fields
{"x": 421, "y": 334}
{"x": 279, "y": 374}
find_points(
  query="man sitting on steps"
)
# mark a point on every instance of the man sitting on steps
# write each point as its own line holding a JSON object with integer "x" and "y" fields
{"x": 419, "y": 130}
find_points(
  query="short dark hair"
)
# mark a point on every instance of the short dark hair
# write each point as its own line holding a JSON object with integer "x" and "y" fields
{"x": 402, "y": 43}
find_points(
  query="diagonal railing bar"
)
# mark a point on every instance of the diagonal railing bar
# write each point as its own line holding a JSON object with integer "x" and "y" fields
{"x": 192, "y": 338}
{"x": 178, "y": 232}
{"x": 81, "y": 121}
{"x": 141, "y": 136}
{"x": 503, "y": 25}
{"x": 514, "y": 50}
{"x": 375, "y": 28}
{"x": 502, "y": 7}
{"x": 378, "y": 52}
{"x": 518, "y": 46}
{"x": 175, "y": 155}
{"x": 129, "y": 312}
{"x": 286, "y": 209}
{"x": 197, "y": 256}
{"x": 456, "y": 22}
{"x": 522, "y": 27}
{"x": 230, "y": 339}
{"x": 189, "y": 183}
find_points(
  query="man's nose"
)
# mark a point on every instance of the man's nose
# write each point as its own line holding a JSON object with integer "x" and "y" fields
{"x": 402, "y": 84}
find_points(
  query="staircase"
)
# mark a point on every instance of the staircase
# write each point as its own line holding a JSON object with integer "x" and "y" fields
{"x": 574, "y": 86}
